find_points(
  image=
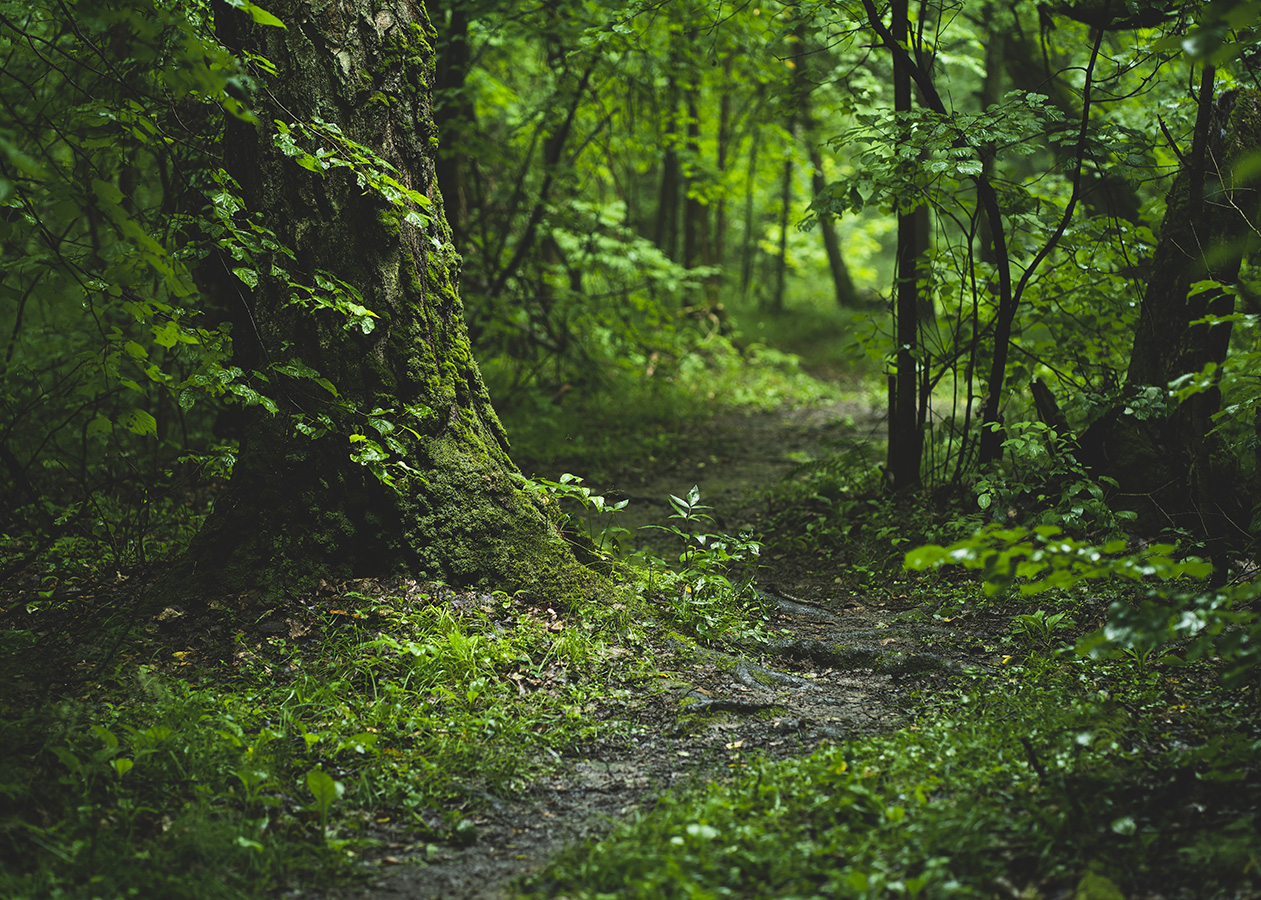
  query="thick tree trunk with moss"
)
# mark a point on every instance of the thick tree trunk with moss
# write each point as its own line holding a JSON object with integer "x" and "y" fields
{"x": 297, "y": 508}
{"x": 1167, "y": 461}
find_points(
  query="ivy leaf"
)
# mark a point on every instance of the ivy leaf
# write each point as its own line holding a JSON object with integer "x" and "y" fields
{"x": 257, "y": 13}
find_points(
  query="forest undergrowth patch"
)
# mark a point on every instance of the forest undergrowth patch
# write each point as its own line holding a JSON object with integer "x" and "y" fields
{"x": 212, "y": 752}
{"x": 759, "y": 720}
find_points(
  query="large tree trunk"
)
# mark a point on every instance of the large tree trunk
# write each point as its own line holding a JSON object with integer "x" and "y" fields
{"x": 1170, "y": 464}
{"x": 299, "y": 508}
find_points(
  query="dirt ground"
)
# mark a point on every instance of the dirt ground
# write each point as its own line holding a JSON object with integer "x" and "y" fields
{"x": 840, "y": 666}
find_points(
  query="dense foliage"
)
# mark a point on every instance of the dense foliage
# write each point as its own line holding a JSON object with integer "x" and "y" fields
{"x": 1026, "y": 232}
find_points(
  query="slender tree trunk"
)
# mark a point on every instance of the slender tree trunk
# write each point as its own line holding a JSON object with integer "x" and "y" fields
{"x": 453, "y": 110}
{"x": 991, "y": 93}
{"x": 842, "y": 283}
{"x": 785, "y": 212}
{"x": 906, "y": 439}
{"x": 720, "y": 208}
{"x": 749, "y": 248}
{"x": 297, "y": 508}
{"x": 666, "y": 235}
{"x": 696, "y": 246}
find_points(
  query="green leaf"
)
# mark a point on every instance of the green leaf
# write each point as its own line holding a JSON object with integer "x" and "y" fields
{"x": 106, "y": 192}
{"x": 925, "y": 557}
{"x": 324, "y": 789}
{"x": 138, "y": 422}
{"x": 262, "y": 16}
{"x": 167, "y": 335}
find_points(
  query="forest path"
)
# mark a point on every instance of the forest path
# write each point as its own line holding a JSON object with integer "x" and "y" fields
{"x": 733, "y": 459}
{"x": 836, "y": 668}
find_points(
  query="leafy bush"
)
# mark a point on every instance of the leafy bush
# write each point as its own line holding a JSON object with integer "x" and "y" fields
{"x": 1179, "y": 617}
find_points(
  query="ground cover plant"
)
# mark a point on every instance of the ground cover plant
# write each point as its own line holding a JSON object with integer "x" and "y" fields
{"x": 1109, "y": 751}
{"x": 269, "y": 753}
{"x": 1053, "y": 776}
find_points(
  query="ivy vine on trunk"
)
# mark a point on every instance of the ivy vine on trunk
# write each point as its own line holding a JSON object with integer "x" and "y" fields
{"x": 383, "y": 455}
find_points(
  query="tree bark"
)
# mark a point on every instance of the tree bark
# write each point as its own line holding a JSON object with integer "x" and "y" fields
{"x": 906, "y": 439}
{"x": 1172, "y": 467}
{"x": 298, "y": 509}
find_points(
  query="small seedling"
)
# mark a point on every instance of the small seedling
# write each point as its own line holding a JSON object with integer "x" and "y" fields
{"x": 1039, "y": 628}
{"x": 326, "y": 792}
{"x": 598, "y": 512}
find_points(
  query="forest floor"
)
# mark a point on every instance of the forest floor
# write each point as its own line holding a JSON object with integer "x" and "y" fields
{"x": 839, "y": 664}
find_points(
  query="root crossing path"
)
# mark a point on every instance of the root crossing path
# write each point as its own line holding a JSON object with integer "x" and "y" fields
{"x": 833, "y": 670}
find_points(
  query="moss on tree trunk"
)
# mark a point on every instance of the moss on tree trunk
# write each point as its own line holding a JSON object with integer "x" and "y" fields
{"x": 298, "y": 509}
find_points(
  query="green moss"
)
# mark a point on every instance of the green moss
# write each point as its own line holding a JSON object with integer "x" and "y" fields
{"x": 300, "y": 510}
{"x": 391, "y": 224}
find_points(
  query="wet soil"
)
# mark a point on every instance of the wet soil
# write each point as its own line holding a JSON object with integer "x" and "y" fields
{"x": 839, "y": 665}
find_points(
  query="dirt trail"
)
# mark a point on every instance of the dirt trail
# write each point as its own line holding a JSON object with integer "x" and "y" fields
{"x": 738, "y": 455}
{"x": 837, "y": 668}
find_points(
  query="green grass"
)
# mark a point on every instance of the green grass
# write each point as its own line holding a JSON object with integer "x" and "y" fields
{"x": 1059, "y": 778}
{"x": 281, "y": 760}
{"x": 277, "y": 746}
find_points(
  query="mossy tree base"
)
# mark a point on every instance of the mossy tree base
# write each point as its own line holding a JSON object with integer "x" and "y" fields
{"x": 299, "y": 508}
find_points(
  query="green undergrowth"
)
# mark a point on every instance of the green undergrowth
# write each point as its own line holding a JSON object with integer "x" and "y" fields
{"x": 288, "y": 750}
{"x": 1059, "y": 777}
{"x": 829, "y": 341}
{"x": 234, "y": 752}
